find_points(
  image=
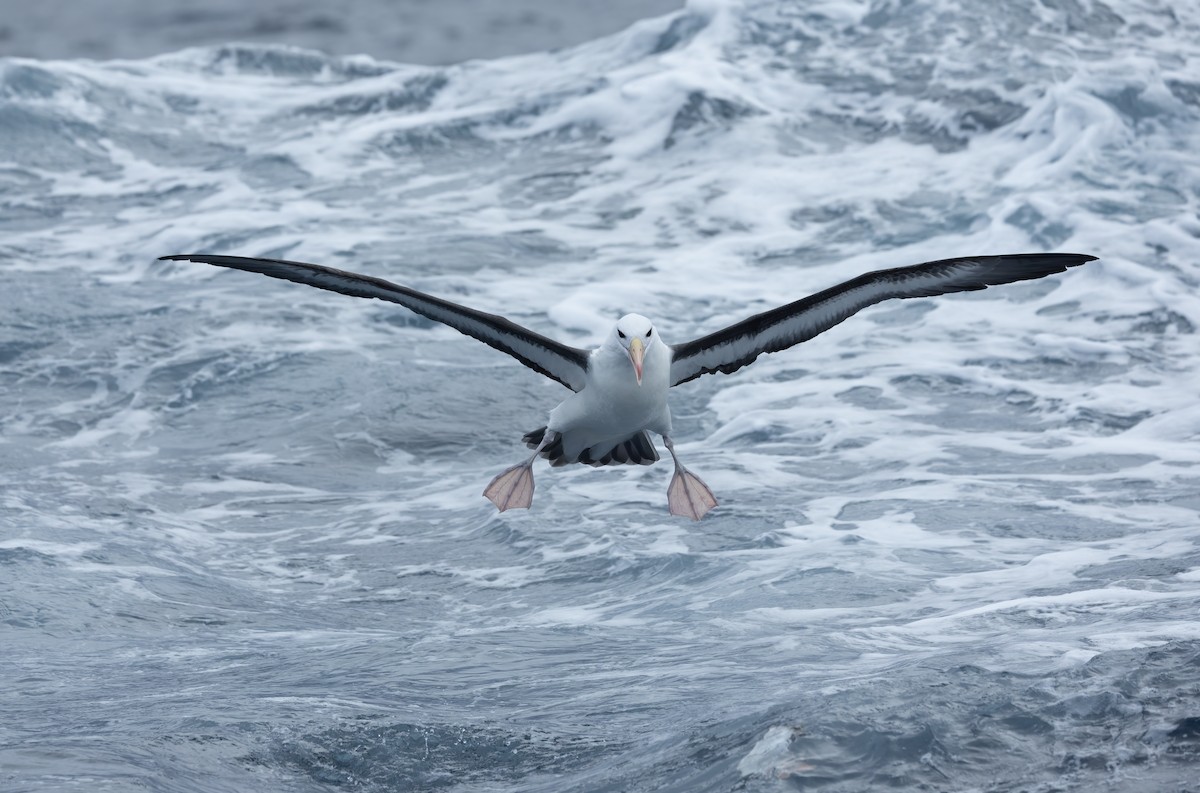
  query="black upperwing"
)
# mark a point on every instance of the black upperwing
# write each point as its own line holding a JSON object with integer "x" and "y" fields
{"x": 739, "y": 344}
{"x": 567, "y": 365}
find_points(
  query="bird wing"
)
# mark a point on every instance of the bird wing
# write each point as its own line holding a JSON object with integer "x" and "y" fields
{"x": 567, "y": 365}
{"x": 739, "y": 344}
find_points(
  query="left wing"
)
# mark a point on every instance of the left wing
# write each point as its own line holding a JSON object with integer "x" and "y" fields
{"x": 739, "y": 344}
{"x": 567, "y": 365}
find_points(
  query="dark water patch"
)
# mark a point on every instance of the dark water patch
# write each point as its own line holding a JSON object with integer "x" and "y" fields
{"x": 597, "y": 562}
{"x": 829, "y": 587}
{"x": 1046, "y": 233}
{"x": 10, "y": 351}
{"x": 921, "y": 130}
{"x": 1161, "y": 321}
{"x": 278, "y": 61}
{"x": 1023, "y": 519}
{"x": 273, "y": 171}
{"x": 842, "y": 128}
{"x": 401, "y": 756}
{"x": 679, "y": 33}
{"x": 163, "y": 144}
{"x": 1066, "y": 308}
{"x": 941, "y": 562}
{"x": 758, "y": 436}
{"x": 1102, "y": 423}
{"x": 799, "y": 256}
{"x": 1053, "y": 369}
{"x": 24, "y": 185}
{"x": 1140, "y": 570}
{"x": 181, "y": 384}
{"x": 43, "y": 214}
{"x": 545, "y": 188}
{"x": 1121, "y": 719}
{"x": 1186, "y": 729}
{"x": 1185, "y": 91}
{"x": 701, "y": 112}
{"x": 922, "y": 215}
{"x": 351, "y": 193}
{"x": 964, "y": 405}
{"x": 39, "y": 138}
{"x": 470, "y": 137}
{"x": 453, "y": 254}
{"x": 206, "y": 601}
{"x": 414, "y": 95}
{"x": 745, "y": 532}
{"x": 789, "y": 374}
{"x": 72, "y": 138}
{"x": 833, "y": 468}
{"x": 1132, "y": 103}
{"x": 404, "y": 319}
{"x": 968, "y": 113}
{"x": 840, "y": 222}
{"x": 228, "y": 241}
{"x": 1094, "y": 18}
{"x": 609, "y": 571}
{"x": 873, "y": 510}
{"x": 51, "y": 211}
{"x": 20, "y": 556}
{"x": 700, "y": 759}
{"x": 906, "y": 313}
{"x": 1152, "y": 202}
{"x": 981, "y": 110}
{"x": 608, "y": 218}
{"x": 26, "y": 81}
{"x": 457, "y": 140}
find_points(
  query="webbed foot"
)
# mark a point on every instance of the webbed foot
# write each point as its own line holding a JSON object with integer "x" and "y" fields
{"x": 512, "y": 489}
{"x": 688, "y": 496}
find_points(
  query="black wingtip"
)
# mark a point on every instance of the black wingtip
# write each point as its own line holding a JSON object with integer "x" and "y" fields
{"x": 1065, "y": 259}
{"x": 1038, "y": 265}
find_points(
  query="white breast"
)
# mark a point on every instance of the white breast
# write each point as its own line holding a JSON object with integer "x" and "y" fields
{"x": 612, "y": 405}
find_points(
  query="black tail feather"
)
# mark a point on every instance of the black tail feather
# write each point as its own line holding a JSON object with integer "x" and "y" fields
{"x": 637, "y": 449}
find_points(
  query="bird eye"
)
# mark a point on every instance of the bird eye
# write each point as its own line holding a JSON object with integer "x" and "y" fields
{"x": 649, "y": 332}
{"x": 621, "y": 333}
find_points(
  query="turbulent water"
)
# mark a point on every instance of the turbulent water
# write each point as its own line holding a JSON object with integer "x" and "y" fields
{"x": 243, "y": 543}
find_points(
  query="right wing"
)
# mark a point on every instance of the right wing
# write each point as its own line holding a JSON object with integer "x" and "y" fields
{"x": 739, "y": 344}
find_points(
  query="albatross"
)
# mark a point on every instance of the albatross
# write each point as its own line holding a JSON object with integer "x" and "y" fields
{"x": 620, "y": 388}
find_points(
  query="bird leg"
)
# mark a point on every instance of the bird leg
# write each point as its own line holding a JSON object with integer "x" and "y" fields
{"x": 687, "y": 495}
{"x": 513, "y": 487}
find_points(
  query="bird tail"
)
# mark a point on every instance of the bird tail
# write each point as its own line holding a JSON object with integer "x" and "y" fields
{"x": 637, "y": 449}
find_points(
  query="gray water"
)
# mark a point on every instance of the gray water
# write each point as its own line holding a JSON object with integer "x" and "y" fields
{"x": 241, "y": 532}
{"x": 412, "y": 31}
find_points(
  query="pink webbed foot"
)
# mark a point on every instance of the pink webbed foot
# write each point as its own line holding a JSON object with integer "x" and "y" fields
{"x": 512, "y": 489}
{"x": 688, "y": 496}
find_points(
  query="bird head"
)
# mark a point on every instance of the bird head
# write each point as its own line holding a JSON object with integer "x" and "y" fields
{"x": 635, "y": 333}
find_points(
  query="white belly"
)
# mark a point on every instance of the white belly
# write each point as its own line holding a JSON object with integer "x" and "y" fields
{"x": 612, "y": 406}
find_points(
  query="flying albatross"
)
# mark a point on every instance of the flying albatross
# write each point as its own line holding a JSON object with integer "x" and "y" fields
{"x": 620, "y": 388}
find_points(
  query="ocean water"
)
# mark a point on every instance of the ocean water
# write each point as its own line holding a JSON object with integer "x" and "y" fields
{"x": 242, "y": 541}
{"x": 413, "y": 31}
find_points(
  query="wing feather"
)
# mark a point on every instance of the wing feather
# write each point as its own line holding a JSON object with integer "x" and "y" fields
{"x": 739, "y": 344}
{"x": 567, "y": 365}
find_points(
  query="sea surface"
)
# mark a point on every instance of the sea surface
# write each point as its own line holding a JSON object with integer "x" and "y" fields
{"x": 414, "y": 31}
{"x": 242, "y": 541}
